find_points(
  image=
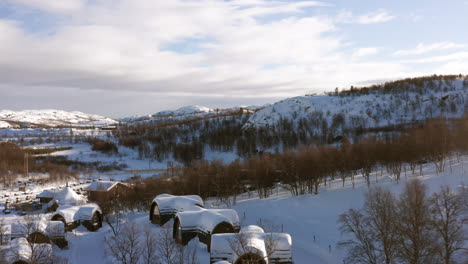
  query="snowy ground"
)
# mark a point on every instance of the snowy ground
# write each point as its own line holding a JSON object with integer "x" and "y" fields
{"x": 307, "y": 216}
{"x": 303, "y": 217}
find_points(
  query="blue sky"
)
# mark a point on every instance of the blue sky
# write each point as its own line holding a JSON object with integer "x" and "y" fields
{"x": 129, "y": 57}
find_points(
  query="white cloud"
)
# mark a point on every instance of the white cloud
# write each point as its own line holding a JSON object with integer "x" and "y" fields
{"x": 54, "y": 6}
{"x": 375, "y": 17}
{"x": 364, "y": 52}
{"x": 462, "y": 55}
{"x": 379, "y": 16}
{"x": 113, "y": 48}
{"x": 422, "y": 48}
{"x": 124, "y": 44}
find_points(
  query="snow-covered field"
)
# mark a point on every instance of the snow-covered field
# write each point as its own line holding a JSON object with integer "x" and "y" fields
{"x": 309, "y": 216}
{"x": 311, "y": 220}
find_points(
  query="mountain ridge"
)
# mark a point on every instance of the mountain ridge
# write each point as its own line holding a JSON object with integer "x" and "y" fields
{"x": 51, "y": 118}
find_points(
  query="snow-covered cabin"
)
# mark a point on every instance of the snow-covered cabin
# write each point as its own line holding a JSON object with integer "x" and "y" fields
{"x": 19, "y": 251}
{"x": 251, "y": 244}
{"x": 46, "y": 195}
{"x": 204, "y": 223}
{"x": 103, "y": 191}
{"x": 89, "y": 215}
{"x": 41, "y": 231}
{"x": 66, "y": 196}
{"x": 165, "y": 206}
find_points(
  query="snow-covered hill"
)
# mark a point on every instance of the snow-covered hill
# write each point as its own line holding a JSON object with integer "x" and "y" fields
{"x": 186, "y": 110}
{"x": 183, "y": 114}
{"x": 50, "y": 118}
{"x": 371, "y": 109}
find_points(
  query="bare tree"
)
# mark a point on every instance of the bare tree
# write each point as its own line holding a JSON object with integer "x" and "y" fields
{"x": 170, "y": 252}
{"x": 241, "y": 245}
{"x": 113, "y": 216}
{"x": 28, "y": 245}
{"x": 362, "y": 247}
{"x": 5, "y": 231}
{"x": 167, "y": 249}
{"x": 125, "y": 246}
{"x": 187, "y": 254}
{"x": 380, "y": 208}
{"x": 416, "y": 237}
{"x": 448, "y": 212}
{"x": 150, "y": 242}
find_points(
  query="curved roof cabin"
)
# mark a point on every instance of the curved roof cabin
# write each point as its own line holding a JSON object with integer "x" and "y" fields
{"x": 165, "y": 206}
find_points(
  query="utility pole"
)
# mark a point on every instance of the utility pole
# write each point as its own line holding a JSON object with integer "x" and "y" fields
{"x": 26, "y": 165}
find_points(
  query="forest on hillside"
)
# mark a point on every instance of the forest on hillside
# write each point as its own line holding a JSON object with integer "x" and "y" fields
{"x": 306, "y": 170}
{"x": 378, "y": 110}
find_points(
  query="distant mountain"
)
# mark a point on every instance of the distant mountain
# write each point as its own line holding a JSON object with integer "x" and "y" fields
{"x": 50, "y": 118}
{"x": 186, "y": 110}
{"x": 185, "y": 113}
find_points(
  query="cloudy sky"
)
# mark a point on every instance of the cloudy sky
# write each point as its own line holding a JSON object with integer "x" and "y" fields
{"x": 128, "y": 57}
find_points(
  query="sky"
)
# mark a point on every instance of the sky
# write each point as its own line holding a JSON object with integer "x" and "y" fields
{"x": 121, "y": 58}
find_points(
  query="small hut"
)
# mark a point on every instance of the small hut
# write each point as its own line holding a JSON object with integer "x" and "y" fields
{"x": 89, "y": 215}
{"x": 203, "y": 223}
{"x": 165, "y": 206}
{"x": 102, "y": 192}
{"x": 54, "y": 198}
{"x": 251, "y": 245}
{"x": 20, "y": 252}
{"x": 41, "y": 232}
{"x": 46, "y": 195}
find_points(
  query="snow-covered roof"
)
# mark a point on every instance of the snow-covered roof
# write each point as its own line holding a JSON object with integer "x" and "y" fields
{"x": 102, "y": 185}
{"x": 66, "y": 196}
{"x": 172, "y": 204}
{"x": 55, "y": 229}
{"x": 78, "y": 213}
{"x": 47, "y": 194}
{"x": 226, "y": 245}
{"x": 41, "y": 225}
{"x": 20, "y": 249}
{"x": 207, "y": 219}
{"x": 252, "y": 229}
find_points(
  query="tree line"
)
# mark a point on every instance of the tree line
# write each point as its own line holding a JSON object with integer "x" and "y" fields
{"x": 305, "y": 171}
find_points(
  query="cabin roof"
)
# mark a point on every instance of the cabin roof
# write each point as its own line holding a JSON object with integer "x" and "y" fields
{"x": 78, "y": 213}
{"x": 207, "y": 219}
{"x": 222, "y": 244}
{"x": 66, "y": 196}
{"x": 168, "y": 202}
{"x": 103, "y": 186}
{"x": 49, "y": 228}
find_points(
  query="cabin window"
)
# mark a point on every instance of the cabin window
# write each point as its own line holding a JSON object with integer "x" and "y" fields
{"x": 250, "y": 258}
{"x": 156, "y": 210}
{"x": 95, "y": 219}
{"x": 223, "y": 228}
{"x": 179, "y": 233}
